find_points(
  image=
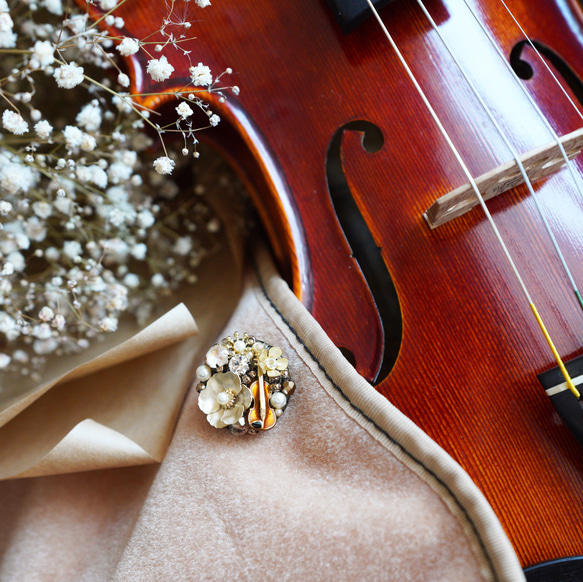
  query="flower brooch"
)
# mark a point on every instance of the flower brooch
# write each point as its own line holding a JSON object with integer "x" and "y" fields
{"x": 244, "y": 384}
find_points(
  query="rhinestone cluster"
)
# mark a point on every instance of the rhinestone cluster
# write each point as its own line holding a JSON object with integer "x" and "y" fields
{"x": 244, "y": 384}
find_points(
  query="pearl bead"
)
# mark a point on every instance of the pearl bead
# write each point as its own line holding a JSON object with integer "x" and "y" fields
{"x": 278, "y": 400}
{"x": 223, "y": 398}
{"x": 203, "y": 373}
{"x": 239, "y": 346}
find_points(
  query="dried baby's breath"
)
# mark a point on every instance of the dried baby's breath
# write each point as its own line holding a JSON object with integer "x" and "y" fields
{"x": 92, "y": 222}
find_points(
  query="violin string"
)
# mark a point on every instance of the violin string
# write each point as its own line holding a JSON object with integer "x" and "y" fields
{"x": 543, "y": 61}
{"x": 511, "y": 148}
{"x": 569, "y": 165}
{"x": 479, "y": 196}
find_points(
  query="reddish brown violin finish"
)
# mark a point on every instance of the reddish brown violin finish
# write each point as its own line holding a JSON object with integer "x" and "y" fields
{"x": 466, "y": 372}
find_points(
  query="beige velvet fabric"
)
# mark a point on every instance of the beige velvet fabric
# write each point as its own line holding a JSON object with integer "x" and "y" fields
{"x": 343, "y": 488}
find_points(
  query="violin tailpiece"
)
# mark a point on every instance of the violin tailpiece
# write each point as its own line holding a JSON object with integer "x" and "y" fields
{"x": 538, "y": 163}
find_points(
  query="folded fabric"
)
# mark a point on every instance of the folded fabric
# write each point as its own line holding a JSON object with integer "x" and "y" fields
{"x": 117, "y": 405}
{"x": 343, "y": 488}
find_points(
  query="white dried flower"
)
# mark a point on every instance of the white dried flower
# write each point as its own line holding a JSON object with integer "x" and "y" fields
{"x": 16, "y": 259}
{"x": 77, "y": 23}
{"x": 72, "y": 249}
{"x": 64, "y": 205}
{"x": 123, "y": 80}
{"x": 128, "y": 157}
{"x": 139, "y": 251}
{"x": 203, "y": 3}
{"x": 43, "y": 129}
{"x": 42, "y": 347}
{"x": 8, "y": 39}
{"x": 69, "y": 76}
{"x": 119, "y": 172}
{"x": 145, "y": 218}
{"x": 46, "y": 314}
{"x": 98, "y": 176}
{"x": 158, "y": 280}
{"x": 22, "y": 241}
{"x": 116, "y": 249}
{"x": 42, "y": 209}
{"x": 108, "y": 324}
{"x": 14, "y": 122}
{"x": 214, "y": 120}
{"x": 88, "y": 143}
{"x": 43, "y": 53}
{"x": 213, "y": 225}
{"x": 35, "y": 229}
{"x": 159, "y": 69}
{"x": 53, "y": 6}
{"x": 20, "y": 356}
{"x": 42, "y": 331}
{"x": 5, "y": 207}
{"x": 128, "y": 46}
{"x": 7, "y": 323}
{"x": 5, "y": 360}
{"x": 164, "y": 165}
{"x": 184, "y": 110}
{"x": 183, "y": 245}
{"x": 89, "y": 118}
{"x": 73, "y": 136}
{"x": 200, "y": 75}
{"x": 7, "y": 269}
{"x": 52, "y": 254}
{"x": 6, "y": 23}
{"x": 107, "y": 5}
{"x": 15, "y": 177}
{"x": 131, "y": 280}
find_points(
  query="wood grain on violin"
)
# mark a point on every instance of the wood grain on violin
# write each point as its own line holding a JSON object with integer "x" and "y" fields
{"x": 469, "y": 349}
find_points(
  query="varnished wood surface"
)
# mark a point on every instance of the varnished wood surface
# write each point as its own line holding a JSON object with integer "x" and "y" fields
{"x": 466, "y": 372}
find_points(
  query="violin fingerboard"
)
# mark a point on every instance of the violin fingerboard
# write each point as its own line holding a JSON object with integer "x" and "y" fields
{"x": 564, "y": 401}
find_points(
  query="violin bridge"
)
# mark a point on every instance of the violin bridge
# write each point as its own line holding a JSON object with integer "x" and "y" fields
{"x": 538, "y": 163}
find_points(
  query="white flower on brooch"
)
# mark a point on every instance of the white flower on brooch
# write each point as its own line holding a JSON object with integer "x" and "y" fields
{"x": 217, "y": 356}
{"x": 224, "y": 399}
{"x": 271, "y": 362}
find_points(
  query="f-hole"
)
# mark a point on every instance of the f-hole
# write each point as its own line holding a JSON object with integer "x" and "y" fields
{"x": 364, "y": 249}
{"x": 525, "y": 71}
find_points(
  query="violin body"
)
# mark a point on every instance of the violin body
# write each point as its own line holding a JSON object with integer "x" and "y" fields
{"x": 470, "y": 349}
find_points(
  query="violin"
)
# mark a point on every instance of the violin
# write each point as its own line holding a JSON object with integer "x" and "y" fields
{"x": 344, "y": 162}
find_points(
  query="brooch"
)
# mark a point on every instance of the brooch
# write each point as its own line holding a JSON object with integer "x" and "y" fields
{"x": 244, "y": 384}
